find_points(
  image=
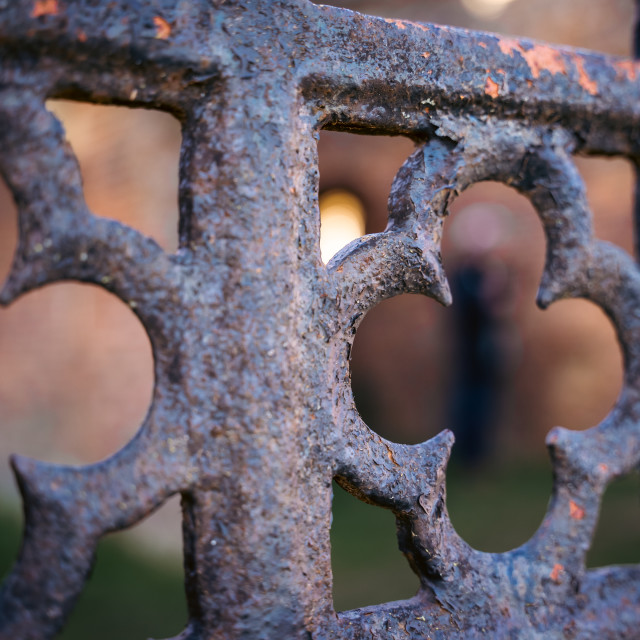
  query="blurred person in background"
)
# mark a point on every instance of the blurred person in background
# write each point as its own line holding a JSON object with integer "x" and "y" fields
{"x": 483, "y": 331}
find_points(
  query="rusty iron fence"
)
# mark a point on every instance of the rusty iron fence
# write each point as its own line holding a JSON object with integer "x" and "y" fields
{"x": 252, "y": 414}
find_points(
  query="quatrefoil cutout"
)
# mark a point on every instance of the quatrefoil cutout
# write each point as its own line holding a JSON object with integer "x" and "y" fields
{"x": 406, "y": 259}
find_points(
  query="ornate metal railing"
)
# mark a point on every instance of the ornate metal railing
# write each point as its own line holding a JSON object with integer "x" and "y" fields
{"x": 252, "y": 414}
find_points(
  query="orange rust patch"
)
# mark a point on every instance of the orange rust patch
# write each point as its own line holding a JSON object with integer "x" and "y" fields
{"x": 508, "y": 46}
{"x": 627, "y": 68}
{"x": 544, "y": 58}
{"x": 426, "y": 54}
{"x": 163, "y": 28}
{"x": 491, "y": 88}
{"x": 482, "y": 44}
{"x": 390, "y": 454}
{"x": 422, "y": 27}
{"x": 555, "y": 573}
{"x": 603, "y": 467}
{"x": 575, "y": 510}
{"x": 44, "y": 8}
{"x": 82, "y": 36}
{"x": 589, "y": 85}
{"x": 398, "y": 23}
{"x": 403, "y": 24}
{"x": 540, "y": 57}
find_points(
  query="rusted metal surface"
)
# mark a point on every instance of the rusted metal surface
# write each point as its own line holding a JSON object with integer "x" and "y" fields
{"x": 252, "y": 414}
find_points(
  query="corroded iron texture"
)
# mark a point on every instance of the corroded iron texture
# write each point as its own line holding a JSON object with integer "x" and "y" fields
{"x": 252, "y": 414}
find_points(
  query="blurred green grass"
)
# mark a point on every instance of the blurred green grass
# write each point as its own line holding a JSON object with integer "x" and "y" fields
{"x": 495, "y": 509}
{"x": 133, "y": 594}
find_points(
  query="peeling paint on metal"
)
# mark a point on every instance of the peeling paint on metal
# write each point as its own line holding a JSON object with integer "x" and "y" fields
{"x": 589, "y": 85}
{"x": 492, "y": 88}
{"x": 44, "y": 8}
{"x": 163, "y": 28}
{"x": 575, "y": 510}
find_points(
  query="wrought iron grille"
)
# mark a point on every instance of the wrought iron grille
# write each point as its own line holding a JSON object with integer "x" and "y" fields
{"x": 252, "y": 414}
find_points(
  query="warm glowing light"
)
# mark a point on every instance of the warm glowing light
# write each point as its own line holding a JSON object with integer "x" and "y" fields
{"x": 341, "y": 221}
{"x": 486, "y": 8}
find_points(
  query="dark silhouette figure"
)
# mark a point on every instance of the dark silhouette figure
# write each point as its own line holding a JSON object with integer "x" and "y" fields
{"x": 479, "y": 290}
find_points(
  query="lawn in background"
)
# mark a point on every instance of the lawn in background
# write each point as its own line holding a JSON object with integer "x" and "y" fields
{"x": 494, "y": 510}
{"x": 134, "y": 595}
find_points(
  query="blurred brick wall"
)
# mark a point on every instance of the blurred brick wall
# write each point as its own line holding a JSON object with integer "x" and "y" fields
{"x": 75, "y": 364}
